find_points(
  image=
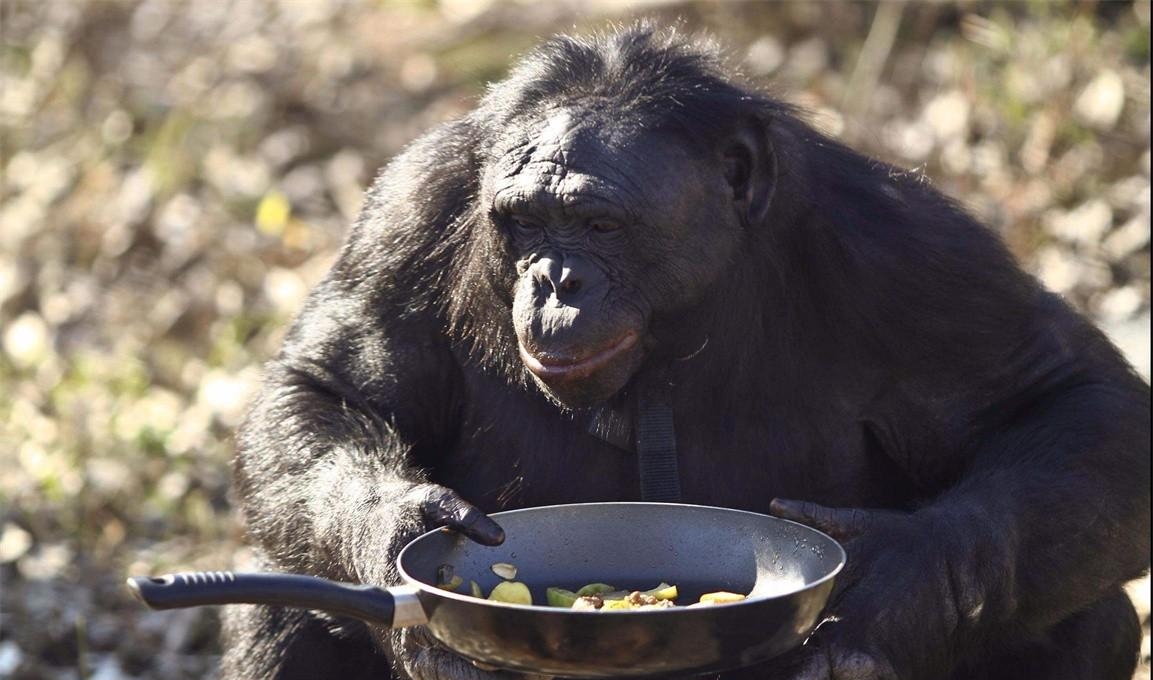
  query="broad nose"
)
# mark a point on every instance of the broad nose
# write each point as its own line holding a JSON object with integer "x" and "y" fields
{"x": 565, "y": 276}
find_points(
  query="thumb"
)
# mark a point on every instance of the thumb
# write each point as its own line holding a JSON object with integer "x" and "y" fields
{"x": 840, "y": 523}
{"x": 444, "y": 507}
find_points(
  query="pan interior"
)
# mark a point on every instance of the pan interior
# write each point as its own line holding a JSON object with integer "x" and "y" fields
{"x": 636, "y": 546}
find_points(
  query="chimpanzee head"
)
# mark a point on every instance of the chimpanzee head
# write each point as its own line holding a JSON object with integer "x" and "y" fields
{"x": 620, "y": 184}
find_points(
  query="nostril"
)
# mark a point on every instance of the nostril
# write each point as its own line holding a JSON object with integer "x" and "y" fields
{"x": 570, "y": 286}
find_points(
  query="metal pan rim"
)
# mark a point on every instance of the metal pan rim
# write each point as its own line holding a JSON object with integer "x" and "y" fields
{"x": 672, "y": 611}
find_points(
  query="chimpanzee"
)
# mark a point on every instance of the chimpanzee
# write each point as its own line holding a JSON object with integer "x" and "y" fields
{"x": 618, "y": 224}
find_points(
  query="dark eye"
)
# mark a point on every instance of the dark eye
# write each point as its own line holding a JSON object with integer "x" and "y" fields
{"x": 524, "y": 225}
{"x": 604, "y": 226}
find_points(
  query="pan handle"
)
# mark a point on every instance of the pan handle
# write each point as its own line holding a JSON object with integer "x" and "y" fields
{"x": 394, "y": 607}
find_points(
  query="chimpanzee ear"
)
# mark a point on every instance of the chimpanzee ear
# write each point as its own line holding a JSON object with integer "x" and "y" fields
{"x": 751, "y": 170}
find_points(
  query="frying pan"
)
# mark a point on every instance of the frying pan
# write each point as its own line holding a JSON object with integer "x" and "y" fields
{"x": 786, "y": 569}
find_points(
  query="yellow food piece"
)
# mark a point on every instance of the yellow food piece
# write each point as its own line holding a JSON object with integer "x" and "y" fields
{"x": 663, "y": 592}
{"x": 721, "y": 597}
{"x": 474, "y": 589}
{"x": 512, "y": 592}
{"x": 452, "y": 584}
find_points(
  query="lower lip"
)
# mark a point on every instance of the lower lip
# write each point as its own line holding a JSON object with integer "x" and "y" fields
{"x": 583, "y": 366}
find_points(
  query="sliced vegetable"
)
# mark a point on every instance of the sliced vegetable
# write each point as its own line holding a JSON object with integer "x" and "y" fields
{"x": 596, "y": 589}
{"x": 721, "y": 597}
{"x": 511, "y": 592}
{"x": 504, "y": 570}
{"x": 593, "y": 596}
{"x": 663, "y": 592}
{"x": 559, "y": 597}
{"x": 446, "y": 577}
{"x": 452, "y": 584}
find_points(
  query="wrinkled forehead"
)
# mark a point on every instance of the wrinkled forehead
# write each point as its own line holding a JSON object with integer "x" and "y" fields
{"x": 571, "y": 159}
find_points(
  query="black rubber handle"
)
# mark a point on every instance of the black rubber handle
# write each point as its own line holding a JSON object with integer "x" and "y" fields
{"x": 173, "y": 591}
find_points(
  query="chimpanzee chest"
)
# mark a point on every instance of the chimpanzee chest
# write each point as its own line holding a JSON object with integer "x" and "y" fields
{"x": 515, "y": 449}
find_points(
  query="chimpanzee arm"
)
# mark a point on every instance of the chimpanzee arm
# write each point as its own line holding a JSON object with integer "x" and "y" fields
{"x": 1051, "y": 512}
{"x": 360, "y": 399}
{"x": 326, "y": 470}
{"x": 1055, "y": 508}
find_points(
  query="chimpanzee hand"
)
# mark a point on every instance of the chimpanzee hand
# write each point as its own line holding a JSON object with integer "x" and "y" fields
{"x": 415, "y": 653}
{"x": 374, "y": 538}
{"x": 442, "y": 507}
{"x": 420, "y": 657}
{"x": 888, "y": 616}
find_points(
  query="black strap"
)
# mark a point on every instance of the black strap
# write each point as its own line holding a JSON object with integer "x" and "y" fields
{"x": 656, "y": 442}
{"x": 615, "y": 426}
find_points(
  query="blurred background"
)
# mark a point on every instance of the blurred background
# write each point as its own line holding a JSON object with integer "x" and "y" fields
{"x": 176, "y": 175}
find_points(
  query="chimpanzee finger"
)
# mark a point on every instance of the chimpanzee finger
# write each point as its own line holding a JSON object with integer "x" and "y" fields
{"x": 444, "y": 507}
{"x": 423, "y": 658}
{"x": 840, "y": 523}
{"x": 836, "y": 662}
{"x": 856, "y": 665}
{"x": 523, "y": 676}
{"x": 816, "y": 668}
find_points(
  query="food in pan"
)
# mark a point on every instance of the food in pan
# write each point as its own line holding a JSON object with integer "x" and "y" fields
{"x": 512, "y": 592}
{"x": 590, "y": 597}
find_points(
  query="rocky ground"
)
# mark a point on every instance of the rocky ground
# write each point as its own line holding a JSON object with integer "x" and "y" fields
{"x": 175, "y": 175}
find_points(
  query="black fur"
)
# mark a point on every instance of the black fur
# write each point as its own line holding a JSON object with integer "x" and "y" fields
{"x": 866, "y": 345}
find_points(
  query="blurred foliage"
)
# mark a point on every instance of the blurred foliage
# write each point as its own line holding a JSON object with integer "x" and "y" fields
{"x": 175, "y": 175}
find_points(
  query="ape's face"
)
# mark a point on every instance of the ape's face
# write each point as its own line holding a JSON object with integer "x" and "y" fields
{"x": 610, "y": 227}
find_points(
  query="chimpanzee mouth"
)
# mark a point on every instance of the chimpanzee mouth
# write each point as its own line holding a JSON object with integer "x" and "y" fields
{"x": 567, "y": 366}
